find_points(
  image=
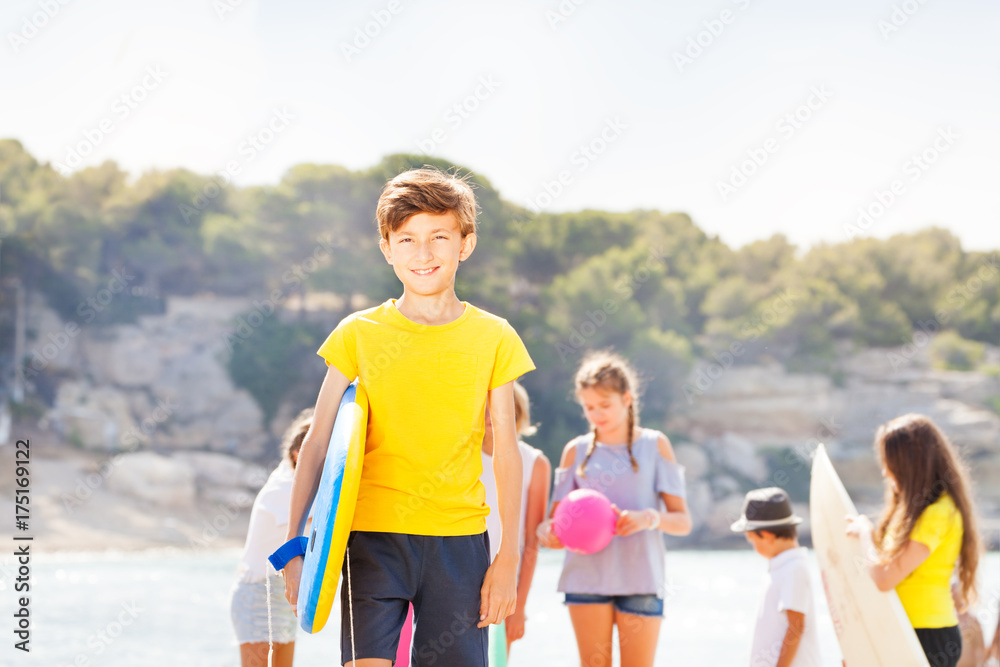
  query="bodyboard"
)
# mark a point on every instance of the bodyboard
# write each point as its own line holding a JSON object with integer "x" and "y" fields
{"x": 333, "y": 511}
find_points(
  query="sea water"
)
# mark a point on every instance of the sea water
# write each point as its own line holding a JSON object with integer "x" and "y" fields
{"x": 171, "y": 607}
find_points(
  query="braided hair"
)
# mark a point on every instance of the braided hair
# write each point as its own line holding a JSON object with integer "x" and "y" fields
{"x": 612, "y": 373}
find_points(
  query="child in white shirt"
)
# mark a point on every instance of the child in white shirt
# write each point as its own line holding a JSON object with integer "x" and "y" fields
{"x": 785, "y": 635}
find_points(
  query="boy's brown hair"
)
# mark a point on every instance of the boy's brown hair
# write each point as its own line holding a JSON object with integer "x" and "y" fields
{"x": 426, "y": 190}
{"x": 780, "y": 532}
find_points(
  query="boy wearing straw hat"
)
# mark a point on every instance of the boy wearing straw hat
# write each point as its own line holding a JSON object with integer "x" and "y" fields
{"x": 785, "y": 635}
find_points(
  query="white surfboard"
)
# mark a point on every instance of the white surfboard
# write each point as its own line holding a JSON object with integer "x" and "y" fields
{"x": 871, "y": 626}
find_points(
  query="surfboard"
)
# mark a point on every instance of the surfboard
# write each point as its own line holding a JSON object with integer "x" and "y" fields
{"x": 871, "y": 626}
{"x": 333, "y": 511}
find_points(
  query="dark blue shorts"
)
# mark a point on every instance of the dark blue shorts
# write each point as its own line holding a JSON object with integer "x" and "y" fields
{"x": 639, "y": 605}
{"x": 942, "y": 646}
{"x": 441, "y": 576}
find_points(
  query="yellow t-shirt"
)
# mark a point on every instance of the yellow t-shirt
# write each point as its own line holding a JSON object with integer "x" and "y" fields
{"x": 926, "y": 593}
{"x": 427, "y": 388}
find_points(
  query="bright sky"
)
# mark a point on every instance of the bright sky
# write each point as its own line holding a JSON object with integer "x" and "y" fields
{"x": 839, "y": 102}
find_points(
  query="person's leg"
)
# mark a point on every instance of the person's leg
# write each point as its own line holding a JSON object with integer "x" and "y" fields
{"x": 253, "y": 654}
{"x": 249, "y": 611}
{"x": 383, "y": 572}
{"x": 637, "y": 637}
{"x": 283, "y": 655}
{"x": 592, "y": 623}
{"x": 446, "y": 606}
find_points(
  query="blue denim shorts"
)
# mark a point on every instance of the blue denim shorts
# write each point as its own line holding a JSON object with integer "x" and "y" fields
{"x": 638, "y": 605}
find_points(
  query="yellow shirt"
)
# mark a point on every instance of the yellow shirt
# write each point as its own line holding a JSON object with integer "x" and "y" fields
{"x": 427, "y": 388}
{"x": 926, "y": 593}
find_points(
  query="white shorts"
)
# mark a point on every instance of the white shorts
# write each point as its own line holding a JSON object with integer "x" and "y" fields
{"x": 248, "y": 609}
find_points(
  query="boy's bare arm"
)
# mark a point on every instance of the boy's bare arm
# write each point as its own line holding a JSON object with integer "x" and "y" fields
{"x": 309, "y": 469}
{"x": 499, "y": 588}
{"x": 793, "y": 637}
{"x": 313, "y": 453}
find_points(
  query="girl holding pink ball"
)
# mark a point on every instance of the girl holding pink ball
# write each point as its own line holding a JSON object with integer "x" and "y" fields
{"x": 635, "y": 469}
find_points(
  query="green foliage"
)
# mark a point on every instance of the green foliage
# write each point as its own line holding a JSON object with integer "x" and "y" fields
{"x": 269, "y": 362}
{"x": 30, "y": 409}
{"x": 649, "y": 284}
{"x": 788, "y": 470}
{"x": 952, "y": 352}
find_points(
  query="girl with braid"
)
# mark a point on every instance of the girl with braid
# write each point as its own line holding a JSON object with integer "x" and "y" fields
{"x": 623, "y": 584}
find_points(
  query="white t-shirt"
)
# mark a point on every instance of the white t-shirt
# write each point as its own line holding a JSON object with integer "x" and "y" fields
{"x": 789, "y": 589}
{"x": 493, "y": 527}
{"x": 268, "y": 524}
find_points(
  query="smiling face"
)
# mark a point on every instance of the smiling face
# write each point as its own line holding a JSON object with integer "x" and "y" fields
{"x": 605, "y": 410}
{"x": 425, "y": 252}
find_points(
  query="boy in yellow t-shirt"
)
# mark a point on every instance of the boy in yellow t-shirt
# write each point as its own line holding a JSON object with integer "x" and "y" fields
{"x": 429, "y": 364}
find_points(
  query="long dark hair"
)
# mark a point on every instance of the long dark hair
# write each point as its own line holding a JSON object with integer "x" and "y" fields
{"x": 609, "y": 372}
{"x": 925, "y": 466}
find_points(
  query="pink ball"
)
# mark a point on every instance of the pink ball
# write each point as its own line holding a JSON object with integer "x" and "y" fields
{"x": 585, "y": 521}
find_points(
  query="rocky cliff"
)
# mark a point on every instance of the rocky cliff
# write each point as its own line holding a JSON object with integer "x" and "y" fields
{"x": 147, "y": 412}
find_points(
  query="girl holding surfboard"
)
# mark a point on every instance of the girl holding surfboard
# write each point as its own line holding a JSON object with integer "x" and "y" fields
{"x": 928, "y": 528}
{"x": 623, "y": 583}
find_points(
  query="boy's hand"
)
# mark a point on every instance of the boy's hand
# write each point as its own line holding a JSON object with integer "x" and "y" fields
{"x": 292, "y": 573}
{"x": 498, "y": 597}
